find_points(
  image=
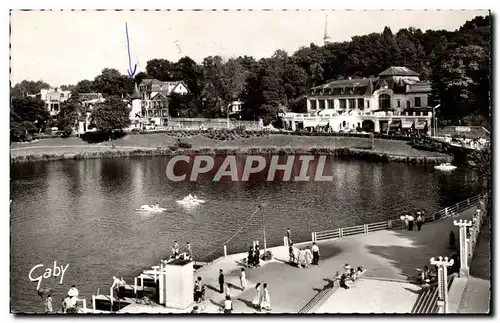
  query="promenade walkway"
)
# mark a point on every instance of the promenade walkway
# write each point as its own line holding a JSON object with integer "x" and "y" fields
{"x": 390, "y": 258}
{"x": 476, "y": 297}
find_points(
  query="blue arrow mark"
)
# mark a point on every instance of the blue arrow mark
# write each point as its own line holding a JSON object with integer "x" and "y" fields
{"x": 137, "y": 115}
{"x": 130, "y": 71}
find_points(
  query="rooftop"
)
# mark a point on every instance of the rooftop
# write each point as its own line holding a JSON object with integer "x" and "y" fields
{"x": 398, "y": 71}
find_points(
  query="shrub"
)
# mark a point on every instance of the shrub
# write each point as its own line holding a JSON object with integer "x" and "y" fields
{"x": 268, "y": 255}
{"x": 185, "y": 145}
{"x": 67, "y": 131}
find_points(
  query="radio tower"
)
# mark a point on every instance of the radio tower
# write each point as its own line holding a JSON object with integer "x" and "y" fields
{"x": 326, "y": 39}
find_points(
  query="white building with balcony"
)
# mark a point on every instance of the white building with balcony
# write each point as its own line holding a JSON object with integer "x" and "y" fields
{"x": 396, "y": 100}
{"x": 53, "y": 99}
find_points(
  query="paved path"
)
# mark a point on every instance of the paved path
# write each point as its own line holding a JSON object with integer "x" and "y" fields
{"x": 391, "y": 297}
{"x": 476, "y": 298}
{"x": 388, "y": 254}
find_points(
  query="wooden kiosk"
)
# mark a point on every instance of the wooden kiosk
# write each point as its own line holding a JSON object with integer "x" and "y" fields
{"x": 176, "y": 284}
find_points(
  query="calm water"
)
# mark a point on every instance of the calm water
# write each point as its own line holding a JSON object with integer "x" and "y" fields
{"x": 81, "y": 213}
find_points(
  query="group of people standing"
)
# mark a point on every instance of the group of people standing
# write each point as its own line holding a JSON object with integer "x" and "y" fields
{"x": 253, "y": 258}
{"x": 188, "y": 254}
{"x": 303, "y": 257}
{"x": 262, "y": 299}
{"x": 69, "y": 303}
{"x": 410, "y": 220}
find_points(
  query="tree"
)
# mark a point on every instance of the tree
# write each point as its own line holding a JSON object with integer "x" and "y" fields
{"x": 28, "y": 87}
{"x": 68, "y": 116}
{"x": 112, "y": 83}
{"x": 160, "y": 69}
{"x": 462, "y": 82}
{"x": 27, "y": 116}
{"x": 111, "y": 115}
{"x": 84, "y": 86}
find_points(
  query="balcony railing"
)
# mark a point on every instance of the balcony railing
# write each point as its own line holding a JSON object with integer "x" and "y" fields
{"x": 358, "y": 113}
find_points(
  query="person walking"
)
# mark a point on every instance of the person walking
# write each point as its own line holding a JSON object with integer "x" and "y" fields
{"x": 228, "y": 305}
{"x": 257, "y": 256}
{"x": 189, "y": 255}
{"x": 250, "y": 257}
{"x": 291, "y": 253}
{"x": 175, "y": 250}
{"x": 198, "y": 290}
{"x": 420, "y": 221}
{"x": 121, "y": 288}
{"x": 289, "y": 236}
{"x": 243, "y": 279}
{"x": 410, "y": 222}
{"x": 48, "y": 304}
{"x": 221, "y": 281}
{"x": 258, "y": 296}
{"x": 308, "y": 256}
{"x": 315, "y": 251}
{"x": 266, "y": 299}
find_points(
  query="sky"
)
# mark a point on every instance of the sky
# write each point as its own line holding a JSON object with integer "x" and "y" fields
{"x": 64, "y": 47}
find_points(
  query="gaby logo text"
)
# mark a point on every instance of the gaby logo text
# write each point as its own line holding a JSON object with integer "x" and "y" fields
{"x": 241, "y": 168}
{"x": 37, "y": 274}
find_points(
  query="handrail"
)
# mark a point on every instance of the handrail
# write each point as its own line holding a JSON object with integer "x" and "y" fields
{"x": 382, "y": 225}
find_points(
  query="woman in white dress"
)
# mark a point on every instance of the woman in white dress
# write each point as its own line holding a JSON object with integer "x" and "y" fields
{"x": 257, "y": 299}
{"x": 243, "y": 279}
{"x": 308, "y": 257}
{"x": 266, "y": 299}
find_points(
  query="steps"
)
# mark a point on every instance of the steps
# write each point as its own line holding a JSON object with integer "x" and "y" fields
{"x": 427, "y": 300}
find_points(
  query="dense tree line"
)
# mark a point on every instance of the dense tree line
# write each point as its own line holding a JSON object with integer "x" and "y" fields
{"x": 456, "y": 63}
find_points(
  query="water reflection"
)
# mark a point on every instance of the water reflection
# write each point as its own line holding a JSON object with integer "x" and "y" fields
{"x": 83, "y": 212}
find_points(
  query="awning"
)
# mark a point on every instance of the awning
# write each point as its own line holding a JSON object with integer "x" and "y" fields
{"x": 407, "y": 124}
{"x": 395, "y": 124}
{"x": 310, "y": 123}
{"x": 420, "y": 125}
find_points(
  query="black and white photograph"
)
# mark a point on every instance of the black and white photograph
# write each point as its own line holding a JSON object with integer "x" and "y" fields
{"x": 231, "y": 162}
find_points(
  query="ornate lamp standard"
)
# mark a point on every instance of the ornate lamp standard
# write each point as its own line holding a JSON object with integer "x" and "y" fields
{"x": 464, "y": 266}
{"x": 442, "y": 265}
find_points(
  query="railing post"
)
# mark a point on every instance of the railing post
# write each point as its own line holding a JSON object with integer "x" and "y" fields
{"x": 135, "y": 286}
{"x": 285, "y": 241}
{"x": 341, "y": 232}
{"x": 111, "y": 298}
{"x": 365, "y": 227}
{"x": 389, "y": 224}
{"x": 312, "y": 237}
{"x": 93, "y": 302}
{"x": 446, "y": 211}
{"x": 468, "y": 202}
{"x": 225, "y": 251}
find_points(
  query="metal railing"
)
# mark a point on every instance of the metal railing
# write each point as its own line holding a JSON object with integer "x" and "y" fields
{"x": 394, "y": 223}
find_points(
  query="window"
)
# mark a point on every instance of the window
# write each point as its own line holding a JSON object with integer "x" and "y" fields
{"x": 384, "y": 101}
{"x": 322, "y": 104}
{"x": 408, "y": 104}
{"x": 352, "y": 103}
{"x": 367, "y": 104}
{"x": 399, "y": 103}
{"x": 361, "y": 103}
{"x": 331, "y": 104}
{"x": 313, "y": 104}
{"x": 418, "y": 102}
{"x": 342, "y": 104}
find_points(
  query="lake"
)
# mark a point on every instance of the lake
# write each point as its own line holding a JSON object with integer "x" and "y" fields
{"x": 81, "y": 214}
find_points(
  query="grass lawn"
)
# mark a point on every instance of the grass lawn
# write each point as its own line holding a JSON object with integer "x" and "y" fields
{"x": 76, "y": 145}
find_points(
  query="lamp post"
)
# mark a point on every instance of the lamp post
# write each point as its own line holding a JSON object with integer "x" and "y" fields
{"x": 261, "y": 206}
{"x": 442, "y": 265}
{"x": 435, "y": 118}
{"x": 464, "y": 267}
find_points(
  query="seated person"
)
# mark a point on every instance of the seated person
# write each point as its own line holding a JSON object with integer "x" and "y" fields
{"x": 347, "y": 269}
{"x": 360, "y": 270}
{"x": 337, "y": 276}
{"x": 352, "y": 274}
